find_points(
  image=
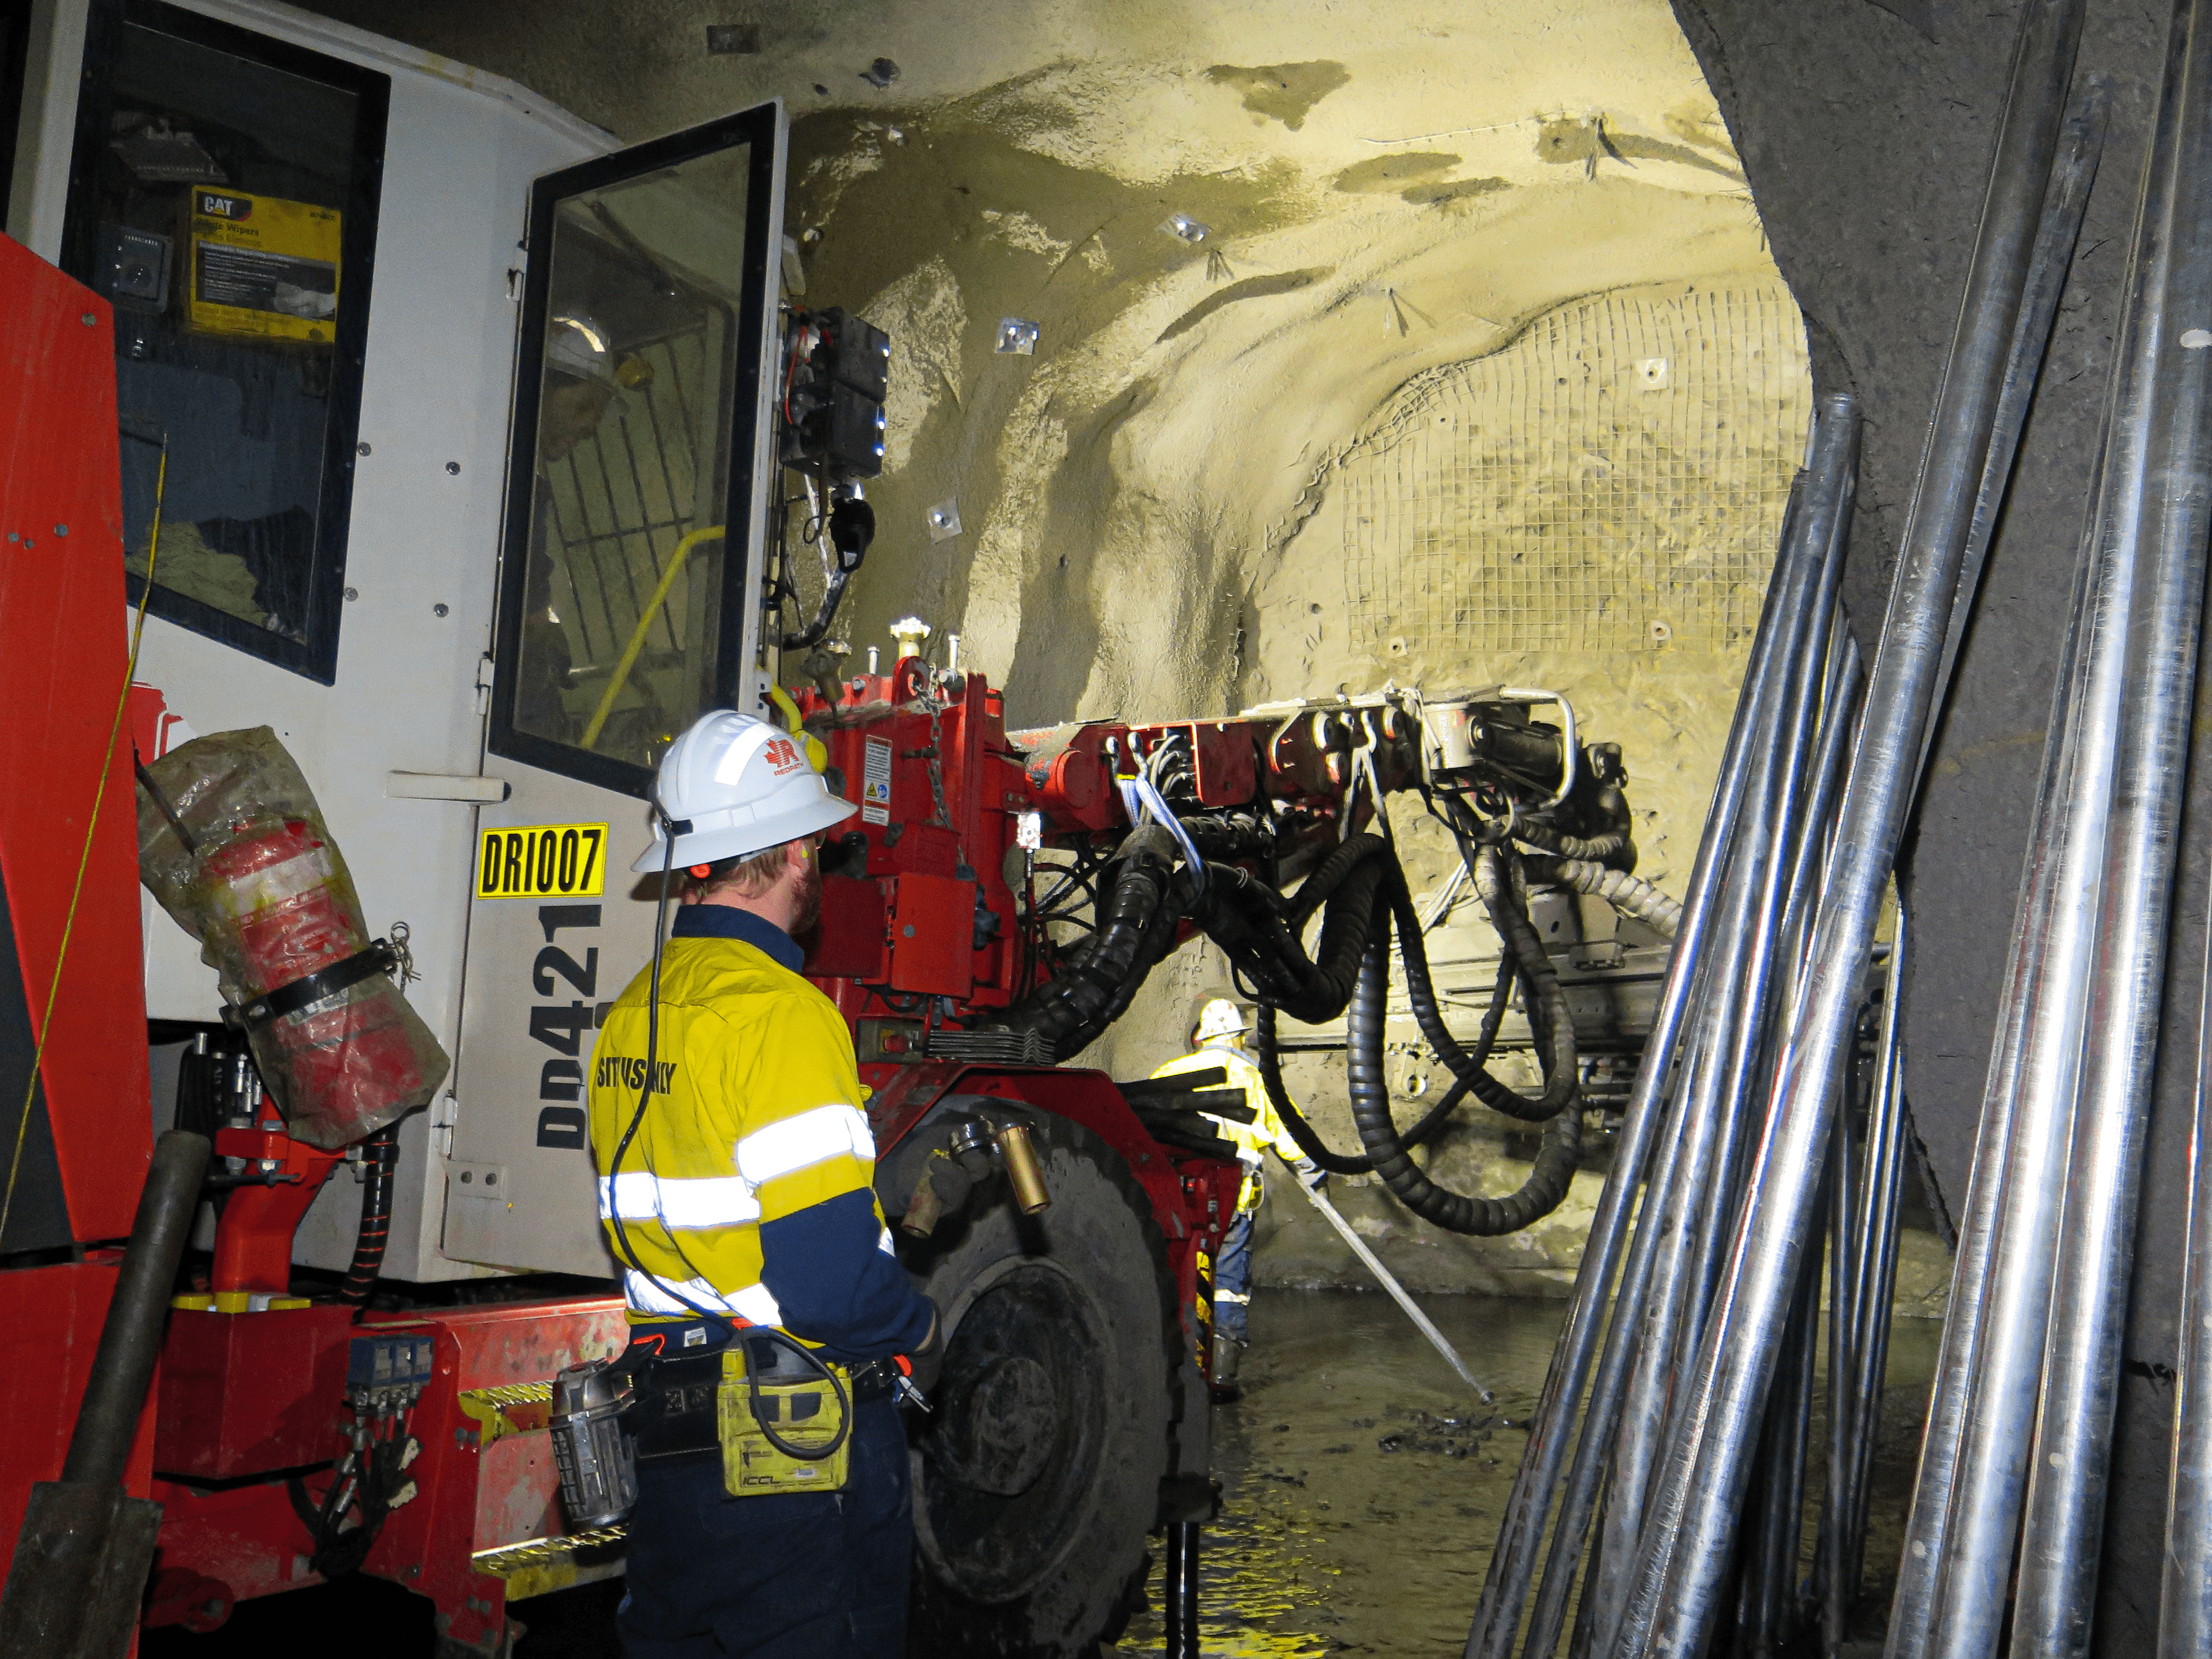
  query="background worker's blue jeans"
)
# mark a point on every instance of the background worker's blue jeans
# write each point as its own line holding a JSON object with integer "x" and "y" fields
{"x": 1232, "y": 1277}
{"x": 822, "y": 1574}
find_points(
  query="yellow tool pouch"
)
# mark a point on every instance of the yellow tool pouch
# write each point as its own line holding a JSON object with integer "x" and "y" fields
{"x": 806, "y": 1413}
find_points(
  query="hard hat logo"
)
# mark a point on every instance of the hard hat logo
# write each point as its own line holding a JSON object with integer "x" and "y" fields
{"x": 734, "y": 785}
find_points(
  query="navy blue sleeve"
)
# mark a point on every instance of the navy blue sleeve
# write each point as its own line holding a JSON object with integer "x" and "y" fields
{"x": 827, "y": 1269}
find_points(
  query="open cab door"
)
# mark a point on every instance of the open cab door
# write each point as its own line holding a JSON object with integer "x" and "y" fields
{"x": 641, "y": 477}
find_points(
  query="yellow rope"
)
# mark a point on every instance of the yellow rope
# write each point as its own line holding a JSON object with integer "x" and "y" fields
{"x": 84, "y": 858}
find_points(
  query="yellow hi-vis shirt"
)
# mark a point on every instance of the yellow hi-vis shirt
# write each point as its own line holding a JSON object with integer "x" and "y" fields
{"x": 1252, "y": 1139}
{"x": 755, "y": 1114}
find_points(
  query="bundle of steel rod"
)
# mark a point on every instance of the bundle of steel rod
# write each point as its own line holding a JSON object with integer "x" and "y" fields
{"x": 1686, "y": 1372}
{"x": 2013, "y": 1469}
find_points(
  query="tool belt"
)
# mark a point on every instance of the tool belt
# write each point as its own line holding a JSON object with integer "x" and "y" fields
{"x": 744, "y": 1397}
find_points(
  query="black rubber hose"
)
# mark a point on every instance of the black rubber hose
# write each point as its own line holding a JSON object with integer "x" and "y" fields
{"x": 1596, "y": 848}
{"x": 1260, "y": 934}
{"x": 1099, "y": 975}
{"x": 1538, "y": 1196}
{"x": 380, "y": 1155}
{"x": 137, "y": 1313}
{"x": 1266, "y": 1056}
{"x": 1550, "y": 1022}
{"x": 1630, "y": 895}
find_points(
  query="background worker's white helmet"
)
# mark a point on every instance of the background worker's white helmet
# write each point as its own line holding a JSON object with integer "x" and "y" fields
{"x": 1220, "y": 1017}
{"x": 735, "y": 784}
{"x": 577, "y": 347}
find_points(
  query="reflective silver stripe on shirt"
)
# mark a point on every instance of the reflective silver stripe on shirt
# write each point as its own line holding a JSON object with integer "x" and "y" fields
{"x": 674, "y": 1201}
{"x": 753, "y": 1303}
{"x": 803, "y": 1138}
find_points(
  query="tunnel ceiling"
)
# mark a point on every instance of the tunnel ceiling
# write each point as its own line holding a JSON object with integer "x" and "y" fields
{"x": 1476, "y": 371}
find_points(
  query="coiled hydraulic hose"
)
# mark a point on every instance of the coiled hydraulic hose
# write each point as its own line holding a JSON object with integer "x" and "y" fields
{"x": 1136, "y": 927}
{"x": 1606, "y": 848}
{"x": 379, "y": 1155}
{"x": 1260, "y": 934}
{"x": 1548, "y": 1178}
{"x": 1548, "y": 1017}
{"x": 1269, "y": 1058}
{"x": 1630, "y": 895}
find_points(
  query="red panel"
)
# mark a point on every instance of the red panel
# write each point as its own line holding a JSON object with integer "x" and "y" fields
{"x": 49, "y": 1320}
{"x": 934, "y": 935}
{"x": 247, "y": 1394}
{"x": 849, "y": 943}
{"x": 1228, "y": 771}
{"x": 63, "y": 647}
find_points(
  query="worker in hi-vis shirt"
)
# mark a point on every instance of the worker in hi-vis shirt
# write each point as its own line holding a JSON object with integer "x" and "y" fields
{"x": 1218, "y": 1040}
{"x": 735, "y": 1162}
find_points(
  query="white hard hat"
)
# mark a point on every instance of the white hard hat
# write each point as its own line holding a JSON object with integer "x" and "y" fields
{"x": 734, "y": 785}
{"x": 577, "y": 346}
{"x": 1220, "y": 1017}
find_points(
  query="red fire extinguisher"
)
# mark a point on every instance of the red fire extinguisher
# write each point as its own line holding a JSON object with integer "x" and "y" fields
{"x": 343, "y": 1057}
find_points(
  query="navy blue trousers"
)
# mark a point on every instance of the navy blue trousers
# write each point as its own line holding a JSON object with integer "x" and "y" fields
{"x": 1232, "y": 1277}
{"x": 822, "y": 1574}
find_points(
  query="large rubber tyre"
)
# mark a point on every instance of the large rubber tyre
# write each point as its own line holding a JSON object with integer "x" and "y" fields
{"x": 1038, "y": 1474}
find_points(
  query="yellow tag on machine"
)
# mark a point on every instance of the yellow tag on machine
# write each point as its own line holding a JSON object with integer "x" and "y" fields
{"x": 262, "y": 266}
{"x": 785, "y": 1428}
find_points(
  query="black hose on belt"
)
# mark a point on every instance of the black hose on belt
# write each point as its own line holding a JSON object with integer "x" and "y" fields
{"x": 1556, "y": 1159}
{"x": 379, "y": 1155}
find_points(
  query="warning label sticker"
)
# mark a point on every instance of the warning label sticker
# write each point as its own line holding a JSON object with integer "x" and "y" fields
{"x": 261, "y": 266}
{"x": 876, "y": 782}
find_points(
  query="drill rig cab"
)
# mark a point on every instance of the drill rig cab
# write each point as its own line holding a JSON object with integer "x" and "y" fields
{"x": 468, "y": 453}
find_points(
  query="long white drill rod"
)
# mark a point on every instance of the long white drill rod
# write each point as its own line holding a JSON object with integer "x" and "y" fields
{"x": 1426, "y": 1325}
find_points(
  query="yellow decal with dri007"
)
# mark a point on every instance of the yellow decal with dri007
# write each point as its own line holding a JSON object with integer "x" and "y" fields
{"x": 542, "y": 860}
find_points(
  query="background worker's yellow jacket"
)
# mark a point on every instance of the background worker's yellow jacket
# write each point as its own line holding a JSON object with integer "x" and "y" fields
{"x": 1253, "y": 1138}
{"x": 746, "y": 1189}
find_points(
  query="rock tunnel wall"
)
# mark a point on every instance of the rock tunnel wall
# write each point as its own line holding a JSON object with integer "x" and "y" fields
{"x": 1444, "y": 345}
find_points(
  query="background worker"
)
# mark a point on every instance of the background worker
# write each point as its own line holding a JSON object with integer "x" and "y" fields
{"x": 743, "y": 1198}
{"x": 1218, "y": 1037}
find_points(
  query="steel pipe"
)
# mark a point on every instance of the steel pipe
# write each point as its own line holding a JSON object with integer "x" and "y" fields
{"x": 2064, "y": 1520}
{"x": 1694, "y": 1208}
{"x": 1804, "y": 585}
{"x": 1963, "y": 1536}
{"x": 1686, "y": 1551}
{"x": 1513, "y": 1556}
{"x": 1876, "y": 1250}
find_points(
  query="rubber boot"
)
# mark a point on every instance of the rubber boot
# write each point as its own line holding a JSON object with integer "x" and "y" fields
{"x": 1227, "y": 1354}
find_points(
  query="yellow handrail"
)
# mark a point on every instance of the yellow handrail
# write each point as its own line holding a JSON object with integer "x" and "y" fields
{"x": 637, "y": 634}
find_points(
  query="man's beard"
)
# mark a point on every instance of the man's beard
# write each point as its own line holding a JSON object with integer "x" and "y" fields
{"x": 806, "y": 901}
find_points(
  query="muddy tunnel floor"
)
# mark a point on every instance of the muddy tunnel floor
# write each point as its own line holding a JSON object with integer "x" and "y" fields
{"x": 1361, "y": 1486}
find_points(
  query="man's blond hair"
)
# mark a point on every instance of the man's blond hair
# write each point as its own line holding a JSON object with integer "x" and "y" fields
{"x": 749, "y": 875}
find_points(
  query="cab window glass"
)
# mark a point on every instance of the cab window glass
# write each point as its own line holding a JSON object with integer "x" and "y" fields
{"x": 234, "y": 200}
{"x": 642, "y": 383}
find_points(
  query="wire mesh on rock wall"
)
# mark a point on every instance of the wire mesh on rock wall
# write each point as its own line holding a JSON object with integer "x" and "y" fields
{"x": 1613, "y": 478}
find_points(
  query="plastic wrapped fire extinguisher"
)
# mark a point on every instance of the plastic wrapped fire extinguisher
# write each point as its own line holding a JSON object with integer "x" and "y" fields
{"x": 234, "y": 847}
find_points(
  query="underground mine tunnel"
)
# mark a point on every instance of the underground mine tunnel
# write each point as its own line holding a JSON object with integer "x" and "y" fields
{"x": 1050, "y": 830}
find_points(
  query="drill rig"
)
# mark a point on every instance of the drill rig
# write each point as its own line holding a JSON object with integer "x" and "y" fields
{"x": 475, "y": 672}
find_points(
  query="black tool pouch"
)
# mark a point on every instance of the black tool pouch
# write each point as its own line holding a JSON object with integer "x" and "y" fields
{"x": 675, "y": 1413}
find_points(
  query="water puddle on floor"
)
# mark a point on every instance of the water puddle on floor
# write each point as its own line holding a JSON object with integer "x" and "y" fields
{"x": 1362, "y": 1487}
